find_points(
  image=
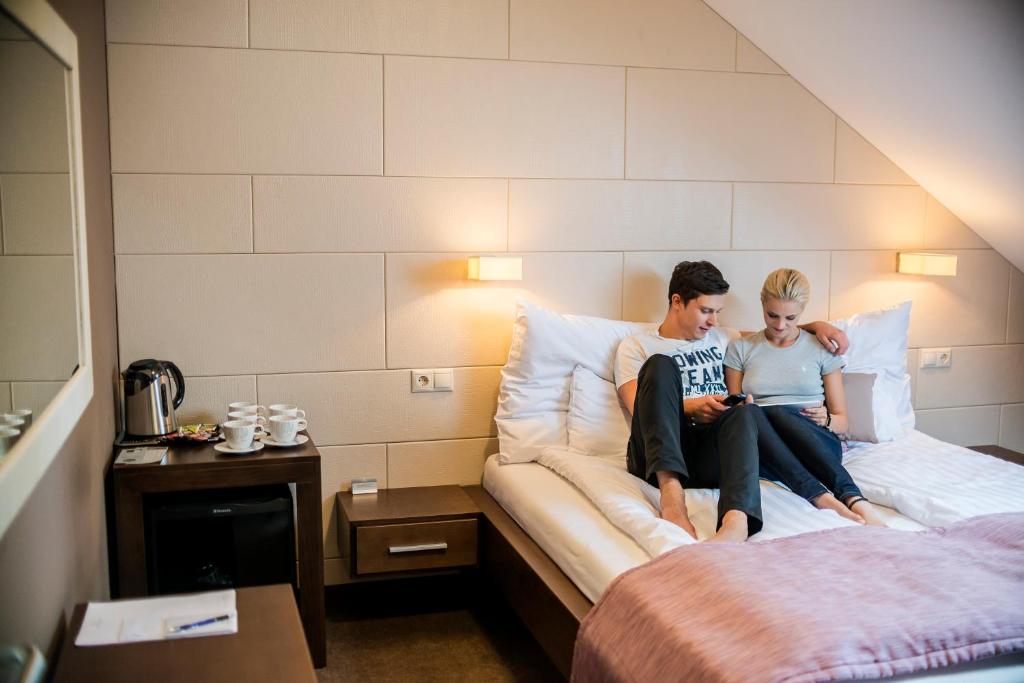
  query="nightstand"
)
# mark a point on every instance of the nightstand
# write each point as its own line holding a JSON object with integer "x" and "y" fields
{"x": 407, "y": 531}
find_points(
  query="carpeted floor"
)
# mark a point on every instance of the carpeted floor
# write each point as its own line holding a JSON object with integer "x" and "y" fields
{"x": 444, "y": 628}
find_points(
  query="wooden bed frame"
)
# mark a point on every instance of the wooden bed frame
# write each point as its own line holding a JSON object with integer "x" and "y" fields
{"x": 547, "y": 600}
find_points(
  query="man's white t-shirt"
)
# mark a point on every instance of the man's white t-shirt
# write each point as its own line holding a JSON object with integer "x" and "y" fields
{"x": 699, "y": 360}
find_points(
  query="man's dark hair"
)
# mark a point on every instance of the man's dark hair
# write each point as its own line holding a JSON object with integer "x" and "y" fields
{"x": 690, "y": 279}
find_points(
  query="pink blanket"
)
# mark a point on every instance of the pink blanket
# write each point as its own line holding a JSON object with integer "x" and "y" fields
{"x": 831, "y": 605}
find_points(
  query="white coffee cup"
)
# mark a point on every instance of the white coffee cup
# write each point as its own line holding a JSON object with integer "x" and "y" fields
{"x": 8, "y": 437}
{"x": 247, "y": 408}
{"x": 9, "y": 420}
{"x": 239, "y": 433}
{"x": 286, "y": 409}
{"x": 284, "y": 427}
{"x": 23, "y": 414}
{"x": 258, "y": 420}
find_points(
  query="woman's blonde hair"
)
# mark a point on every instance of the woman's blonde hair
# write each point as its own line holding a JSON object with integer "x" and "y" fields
{"x": 786, "y": 284}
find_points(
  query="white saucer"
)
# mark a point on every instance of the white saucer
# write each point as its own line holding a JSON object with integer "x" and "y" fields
{"x": 299, "y": 440}
{"x": 225, "y": 448}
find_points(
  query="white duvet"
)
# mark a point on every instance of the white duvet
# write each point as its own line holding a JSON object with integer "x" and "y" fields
{"x": 929, "y": 481}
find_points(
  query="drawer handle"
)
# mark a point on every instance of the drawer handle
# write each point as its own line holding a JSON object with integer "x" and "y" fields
{"x": 418, "y": 548}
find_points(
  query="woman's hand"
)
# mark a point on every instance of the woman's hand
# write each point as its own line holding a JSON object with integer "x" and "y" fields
{"x": 818, "y": 415}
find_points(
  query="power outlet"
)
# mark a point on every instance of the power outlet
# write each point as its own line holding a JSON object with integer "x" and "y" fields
{"x": 936, "y": 358}
{"x": 426, "y": 381}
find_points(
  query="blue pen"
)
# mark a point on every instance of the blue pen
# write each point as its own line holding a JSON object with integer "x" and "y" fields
{"x": 204, "y": 622}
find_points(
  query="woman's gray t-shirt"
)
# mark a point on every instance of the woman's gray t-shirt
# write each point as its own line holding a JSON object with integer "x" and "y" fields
{"x": 776, "y": 375}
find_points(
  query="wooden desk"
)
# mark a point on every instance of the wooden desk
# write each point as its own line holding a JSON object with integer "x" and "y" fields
{"x": 268, "y": 647}
{"x": 199, "y": 466}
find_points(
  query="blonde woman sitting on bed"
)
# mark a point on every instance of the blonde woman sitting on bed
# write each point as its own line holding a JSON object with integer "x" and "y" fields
{"x": 799, "y": 386}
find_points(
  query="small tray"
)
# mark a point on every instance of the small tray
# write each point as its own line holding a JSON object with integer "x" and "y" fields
{"x": 197, "y": 433}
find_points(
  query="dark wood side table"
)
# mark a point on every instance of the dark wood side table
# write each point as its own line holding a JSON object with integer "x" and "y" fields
{"x": 199, "y": 466}
{"x": 268, "y": 647}
{"x": 408, "y": 531}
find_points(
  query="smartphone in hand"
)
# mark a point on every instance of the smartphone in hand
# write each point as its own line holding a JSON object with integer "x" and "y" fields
{"x": 734, "y": 399}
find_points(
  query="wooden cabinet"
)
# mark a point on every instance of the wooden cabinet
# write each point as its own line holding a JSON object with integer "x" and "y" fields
{"x": 413, "y": 530}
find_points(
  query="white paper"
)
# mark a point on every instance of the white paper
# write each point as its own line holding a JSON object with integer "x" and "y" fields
{"x": 141, "y": 456}
{"x": 132, "y": 621}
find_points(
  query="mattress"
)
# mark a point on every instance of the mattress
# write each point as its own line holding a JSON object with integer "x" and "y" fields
{"x": 592, "y": 551}
{"x": 581, "y": 540}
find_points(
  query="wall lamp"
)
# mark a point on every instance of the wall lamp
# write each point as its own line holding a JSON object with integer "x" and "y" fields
{"x": 495, "y": 268}
{"x": 920, "y": 263}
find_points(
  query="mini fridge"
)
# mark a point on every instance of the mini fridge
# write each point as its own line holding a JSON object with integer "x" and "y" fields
{"x": 222, "y": 538}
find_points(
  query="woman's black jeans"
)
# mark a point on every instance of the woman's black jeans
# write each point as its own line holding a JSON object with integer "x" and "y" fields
{"x": 804, "y": 456}
{"x": 722, "y": 454}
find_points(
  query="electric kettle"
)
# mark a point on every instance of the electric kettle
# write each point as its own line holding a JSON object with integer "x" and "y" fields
{"x": 146, "y": 399}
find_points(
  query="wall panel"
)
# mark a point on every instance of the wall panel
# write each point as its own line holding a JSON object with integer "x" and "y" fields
{"x": 200, "y": 110}
{"x": 258, "y": 313}
{"x": 700, "y": 125}
{"x": 451, "y": 28}
{"x": 679, "y": 34}
{"x": 805, "y": 216}
{"x": 316, "y": 213}
{"x": 461, "y": 117}
{"x": 601, "y": 215}
{"x": 182, "y": 214}
{"x": 979, "y": 375}
{"x": 974, "y": 426}
{"x": 212, "y": 23}
{"x": 435, "y": 463}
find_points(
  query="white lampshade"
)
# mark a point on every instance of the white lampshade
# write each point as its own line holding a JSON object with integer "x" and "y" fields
{"x": 495, "y": 268}
{"x": 919, "y": 263}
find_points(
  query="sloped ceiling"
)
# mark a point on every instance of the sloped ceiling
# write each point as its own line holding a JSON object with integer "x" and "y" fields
{"x": 936, "y": 85}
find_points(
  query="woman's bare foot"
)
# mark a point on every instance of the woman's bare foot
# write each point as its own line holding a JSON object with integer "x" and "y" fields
{"x": 827, "y": 501}
{"x": 733, "y": 529}
{"x": 866, "y": 510}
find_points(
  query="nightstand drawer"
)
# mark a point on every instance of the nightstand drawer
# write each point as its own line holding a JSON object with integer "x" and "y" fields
{"x": 421, "y": 545}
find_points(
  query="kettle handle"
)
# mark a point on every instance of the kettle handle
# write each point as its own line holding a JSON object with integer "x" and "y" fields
{"x": 179, "y": 383}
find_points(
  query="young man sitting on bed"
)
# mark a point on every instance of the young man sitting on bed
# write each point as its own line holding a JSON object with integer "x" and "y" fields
{"x": 672, "y": 382}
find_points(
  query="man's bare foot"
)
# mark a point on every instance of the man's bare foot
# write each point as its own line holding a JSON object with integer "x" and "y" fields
{"x": 866, "y": 510}
{"x": 678, "y": 516}
{"x": 827, "y": 501}
{"x": 673, "y": 502}
{"x": 733, "y": 529}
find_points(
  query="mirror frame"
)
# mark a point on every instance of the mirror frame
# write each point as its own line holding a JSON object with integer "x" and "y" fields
{"x": 24, "y": 465}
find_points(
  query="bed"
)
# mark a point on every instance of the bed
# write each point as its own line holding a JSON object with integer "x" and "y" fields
{"x": 564, "y": 522}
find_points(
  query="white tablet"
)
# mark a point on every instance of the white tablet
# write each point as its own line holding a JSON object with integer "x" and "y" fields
{"x": 795, "y": 404}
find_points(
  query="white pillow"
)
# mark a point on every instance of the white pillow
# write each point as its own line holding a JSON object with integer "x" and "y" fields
{"x": 597, "y": 423}
{"x": 534, "y": 395}
{"x": 878, "y": 345}
{"x": 870, "y": 409}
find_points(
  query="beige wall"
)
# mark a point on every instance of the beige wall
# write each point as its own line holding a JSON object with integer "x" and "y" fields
{"x": 54, "y": 554}
{"x": 296, "y": 189}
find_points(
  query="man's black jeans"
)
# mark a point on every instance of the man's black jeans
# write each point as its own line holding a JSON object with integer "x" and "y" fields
{"x": 721, "y": 455}
{"x": 804, "y": 456}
